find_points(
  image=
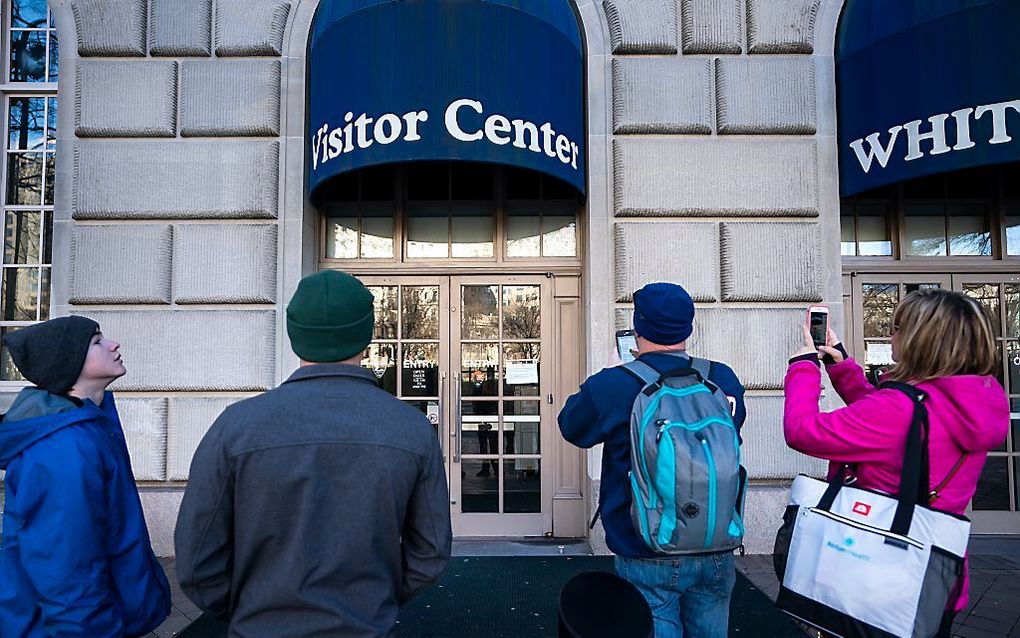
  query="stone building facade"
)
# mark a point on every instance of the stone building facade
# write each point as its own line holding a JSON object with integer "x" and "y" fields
{"x": 182, "y": 222}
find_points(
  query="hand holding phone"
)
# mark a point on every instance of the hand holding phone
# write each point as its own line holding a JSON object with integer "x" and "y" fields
{"x": 818, "y": 323}
{"x": 626, "y": 345}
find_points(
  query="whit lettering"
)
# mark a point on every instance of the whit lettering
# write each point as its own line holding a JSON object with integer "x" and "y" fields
{"x": 872, "y": 148}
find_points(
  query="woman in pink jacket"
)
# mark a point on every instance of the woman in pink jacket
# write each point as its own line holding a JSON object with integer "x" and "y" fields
{"x": 944, "y": 344}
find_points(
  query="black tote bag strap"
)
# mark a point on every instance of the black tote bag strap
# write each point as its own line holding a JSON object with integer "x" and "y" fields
{"x": 914, "y": 479}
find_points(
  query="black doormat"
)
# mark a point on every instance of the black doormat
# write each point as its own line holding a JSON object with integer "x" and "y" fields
{"x": 515, "y": 597}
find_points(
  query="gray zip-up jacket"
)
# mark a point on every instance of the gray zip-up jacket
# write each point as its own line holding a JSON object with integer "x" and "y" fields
{"x": 315, "y": 509}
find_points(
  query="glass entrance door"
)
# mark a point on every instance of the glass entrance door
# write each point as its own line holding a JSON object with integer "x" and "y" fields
{"x": 468, "y": 352}
{"x": 995, "y": 508}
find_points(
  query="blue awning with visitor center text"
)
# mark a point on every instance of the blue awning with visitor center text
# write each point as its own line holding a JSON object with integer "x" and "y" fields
{"x": 499, "y": 81}
{"x": 925, "y": 87}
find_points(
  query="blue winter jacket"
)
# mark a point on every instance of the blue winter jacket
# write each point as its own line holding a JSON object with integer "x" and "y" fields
{"x": 600, "y": 413}
{"x": 75, "y": 558}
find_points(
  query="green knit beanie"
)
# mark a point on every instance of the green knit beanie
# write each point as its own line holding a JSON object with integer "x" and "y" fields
{"x": 330, "y": 317}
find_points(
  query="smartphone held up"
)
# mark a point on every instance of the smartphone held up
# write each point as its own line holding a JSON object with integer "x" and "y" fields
{"x": 818, "y": 323}
{"x": 626, "y": 343}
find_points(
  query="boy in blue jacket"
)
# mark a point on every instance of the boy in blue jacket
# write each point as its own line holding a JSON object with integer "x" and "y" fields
{"x": 75, "y": 557}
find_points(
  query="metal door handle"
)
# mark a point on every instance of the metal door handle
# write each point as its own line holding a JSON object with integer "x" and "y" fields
{"x": 456, "y": 426}
{"x": 442, "y": 385}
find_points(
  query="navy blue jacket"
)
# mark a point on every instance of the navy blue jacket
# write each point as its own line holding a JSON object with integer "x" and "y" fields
{"x": 600, "y": 413}
{"x": 75, "y": 559}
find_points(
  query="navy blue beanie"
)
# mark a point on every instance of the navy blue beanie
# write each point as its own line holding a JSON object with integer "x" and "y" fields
{"x": 663, "y": 313}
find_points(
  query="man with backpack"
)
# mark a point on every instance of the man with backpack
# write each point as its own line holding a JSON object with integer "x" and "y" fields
{"x": 672, "y": 486}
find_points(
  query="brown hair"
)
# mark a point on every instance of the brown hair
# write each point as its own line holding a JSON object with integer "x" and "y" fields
{"x": 941, "y": 333}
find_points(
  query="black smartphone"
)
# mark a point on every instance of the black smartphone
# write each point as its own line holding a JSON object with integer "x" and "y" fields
{"x": 625, "y": 342}
{"x": 818, "y": 324}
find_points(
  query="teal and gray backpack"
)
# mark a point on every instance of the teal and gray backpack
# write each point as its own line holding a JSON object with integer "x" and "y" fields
{"x": 686, "y": 481}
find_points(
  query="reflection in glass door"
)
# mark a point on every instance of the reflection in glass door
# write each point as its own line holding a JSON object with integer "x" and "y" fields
{"x": 475, "y": 345}
{"x": 996, "y": 504}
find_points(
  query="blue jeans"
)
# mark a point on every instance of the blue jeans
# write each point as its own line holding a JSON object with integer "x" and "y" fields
{"x": 689, "y": 595}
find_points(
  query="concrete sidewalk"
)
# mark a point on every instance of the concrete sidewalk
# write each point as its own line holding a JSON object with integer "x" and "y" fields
{"x": 993, "y": 612}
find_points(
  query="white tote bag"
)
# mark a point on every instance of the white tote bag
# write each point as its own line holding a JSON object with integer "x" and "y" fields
{"x": 861, "y": 563}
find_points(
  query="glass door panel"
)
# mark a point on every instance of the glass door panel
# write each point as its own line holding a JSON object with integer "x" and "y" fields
{"x": 996, "y": 504}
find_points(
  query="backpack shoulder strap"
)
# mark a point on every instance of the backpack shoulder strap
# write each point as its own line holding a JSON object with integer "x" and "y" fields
{"x": 703, "y": 366}
{"x": 641, "y": 371}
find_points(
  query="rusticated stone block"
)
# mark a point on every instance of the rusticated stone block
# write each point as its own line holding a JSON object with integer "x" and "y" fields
{"x": 770, "y": 261}
{"x": 144, "y": 425}
{"x": 175, "y": 180}
{"x": 641, "y": 26}
{"x": 230, "y": 97}
{"x": 110, "y": 27}
{"x": 251, "y": 27}
{"x": 662, "y": 95}
{"x": 702, "y": 177}
{"x": 120, "y": 264}
{"x": 190, "y": 418}
{"x": 193, "y": 350}
{"x": 734, "y": 336}
{"x": 766, "y": 455}
{"x": 225, "y": 264}
{"x": 682, "y": 252}
{"x": 710, "y": 26}
{"x": 126, "y": 99}
{"x": 765, "y": 95}
{"x": 781, "y": 26}
{"x": 180, "y": 27}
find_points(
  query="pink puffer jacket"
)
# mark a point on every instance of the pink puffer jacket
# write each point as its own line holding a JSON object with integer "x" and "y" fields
{"x": 968, "y": 414}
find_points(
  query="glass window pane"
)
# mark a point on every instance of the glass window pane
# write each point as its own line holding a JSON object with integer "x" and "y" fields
{"x": 522, "y": 316}
{"x": 479, "y": 424}
{"x": 28, "y": 56}
{"x": 428, "y": 181}
{"x": 51, "y": 121}
{"x": 420, "y": 312}
{"x": 925, "y": 230}
{"x": 1013, "y": 231}
{"x": 522, "y": 486}
{"x": 428, "y": 231}
{"x": 19, "y": 295}
{"x": 54, "y": 66}
{"x": 377, "y": 231}
{"x": 1012, "y": 381}
{"x": 479, "y": 487}
{"x": 988, "y": 296}
{"x": 385, "y": 300}
{"x": 559, "y": 238}
{"x": 51, "y": 166}
{"x": 1014, "y": 416}
{"x": 479, "y": 312}
{"x": 28, "y": 13}
{"x": 523, "y": 184}
{"x": 381, "y": 359}
{"x": 471, "y": 181}
{"x": 473, "y": 231}
{"x": 847, "y": 236}
{"x": 521, "y": 364}
{"x": 522, "y": 425}
{"x": 993, "y": 486}
{"x": 21, "y": 237}
{"x": 879, "y": 302}
{"x": 44, "y": 294}
{"x": 524, "y": 229}
{"x": 48, "y": 237}
{"x": 25, "y": 123}
{"x": 8, "y": 372}
{"x": 1012, "y": 294}
{"x": 342, "y": 238}
{"x": 420, "y": 370}
{"x": 479, "y": 370}
{"x": 24, "y": 178}
{"x": 968, "y": 230}
{"x": 873, "y": 229}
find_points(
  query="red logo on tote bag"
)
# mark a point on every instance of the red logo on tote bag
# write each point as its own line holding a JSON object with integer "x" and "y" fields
{"x": 862, "y": 508}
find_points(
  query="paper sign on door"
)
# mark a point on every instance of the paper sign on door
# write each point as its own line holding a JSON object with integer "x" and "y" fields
{"x": 522, "y": 372}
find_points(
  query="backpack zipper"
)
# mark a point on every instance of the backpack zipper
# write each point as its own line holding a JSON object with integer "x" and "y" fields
{"x": 710, "y": 526}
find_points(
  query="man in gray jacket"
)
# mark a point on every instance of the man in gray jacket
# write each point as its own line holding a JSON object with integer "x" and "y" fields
{"x": 317, "y": 508}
